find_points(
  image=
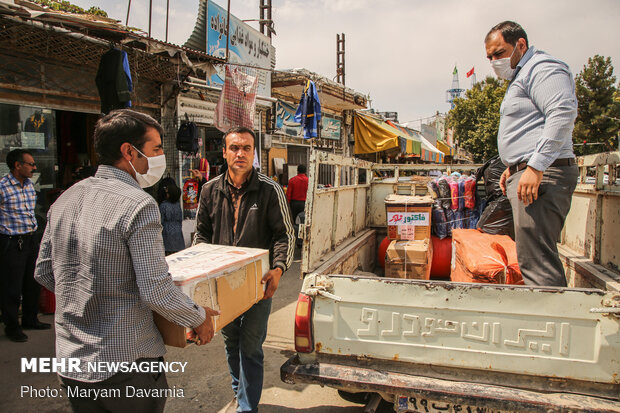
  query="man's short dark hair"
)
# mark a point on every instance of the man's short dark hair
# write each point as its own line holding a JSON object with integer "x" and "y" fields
{"x": 301, "y": 169}
{"x": 511, "y": 32}
{"x": 168, "y": 191}
{"x": 16, "y": 155}
{"x": 239, "y": 129}
{"x": 118, "y": 127}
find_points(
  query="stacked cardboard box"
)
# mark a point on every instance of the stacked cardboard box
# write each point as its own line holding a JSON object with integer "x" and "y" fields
{"x": 227, "y": 279}
{"x": 408, "y": 217}
{"x": 410, "y": 253}
{"x": 409, "y": 259}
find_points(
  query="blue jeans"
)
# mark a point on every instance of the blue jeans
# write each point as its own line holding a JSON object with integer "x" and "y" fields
{"x": 244, "y": 339}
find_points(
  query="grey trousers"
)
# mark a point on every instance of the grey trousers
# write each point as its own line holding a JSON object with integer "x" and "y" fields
{"x": 114, "y": 391}
{"x": 538, "y": 226}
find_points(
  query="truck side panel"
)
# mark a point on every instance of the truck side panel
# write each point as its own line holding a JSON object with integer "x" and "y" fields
{"x": 336, "y": 206}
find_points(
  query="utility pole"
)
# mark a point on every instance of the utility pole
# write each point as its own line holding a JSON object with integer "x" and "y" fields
{"x": 167, "y": 17}
{"x": 340, "y": 58}
{"x": 128, "y": 8}
{"x": 265, "y": 22}
{"x": 150, "y": 16}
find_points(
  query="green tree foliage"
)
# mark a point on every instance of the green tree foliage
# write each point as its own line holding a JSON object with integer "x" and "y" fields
{"x": 475, "y": 118}
{"x": 598, "y": 114}
{"x": 62, "y": 5}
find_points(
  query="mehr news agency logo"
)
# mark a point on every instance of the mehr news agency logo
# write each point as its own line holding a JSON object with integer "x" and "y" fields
{"x": 75, "y": 365}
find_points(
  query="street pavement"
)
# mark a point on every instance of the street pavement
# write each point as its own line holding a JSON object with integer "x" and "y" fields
{"x": 205, "y": 384}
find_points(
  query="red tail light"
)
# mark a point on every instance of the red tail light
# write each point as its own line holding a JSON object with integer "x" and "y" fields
{"x": 303, "y": 325}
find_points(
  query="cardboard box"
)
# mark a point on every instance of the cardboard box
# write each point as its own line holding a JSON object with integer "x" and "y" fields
{"x": 227, "y": 279}
{"x": 411, "y": 251}
{"x": 408, "y": 217}
{"x": 409, "y": 259}
{"x": 409, "y": 271}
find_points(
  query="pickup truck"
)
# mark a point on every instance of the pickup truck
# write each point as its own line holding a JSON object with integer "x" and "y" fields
{"x": 438, "y": 346}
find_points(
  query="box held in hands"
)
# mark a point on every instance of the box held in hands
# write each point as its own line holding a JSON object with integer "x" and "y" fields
{"x": 224, "y": 278}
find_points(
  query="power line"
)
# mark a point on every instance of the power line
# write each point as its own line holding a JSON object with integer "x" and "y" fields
{"x": 421, "y": 119}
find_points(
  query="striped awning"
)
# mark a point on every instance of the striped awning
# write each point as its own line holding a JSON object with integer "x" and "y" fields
{"x": 375, "y": 135}
{"x": 445, "y": 148}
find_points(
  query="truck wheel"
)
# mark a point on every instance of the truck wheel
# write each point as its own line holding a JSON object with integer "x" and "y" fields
{"x": 359, "y": 398}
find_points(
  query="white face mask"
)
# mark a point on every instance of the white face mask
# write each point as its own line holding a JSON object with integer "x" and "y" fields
{"x": 502, "y": 68}
{"x": 156, "y": 168}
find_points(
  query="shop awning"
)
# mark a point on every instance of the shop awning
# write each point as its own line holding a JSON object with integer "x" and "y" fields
{"x": 429, "y": 152}
{"x": 410, "y": 144}
{"x": 445, "y": 148}
{"x": 374, "y": 135}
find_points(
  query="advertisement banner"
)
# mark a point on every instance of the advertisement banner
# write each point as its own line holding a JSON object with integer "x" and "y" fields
{"x": 247, "y": 46}
{"x": 285, "y": 120}
{"x": 330, "y": 128}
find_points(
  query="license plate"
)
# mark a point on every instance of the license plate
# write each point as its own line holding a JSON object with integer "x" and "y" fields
{"x": 424, "y": 405}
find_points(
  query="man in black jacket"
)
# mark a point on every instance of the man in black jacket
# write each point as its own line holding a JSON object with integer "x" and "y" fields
{"x": 245, "y": 208}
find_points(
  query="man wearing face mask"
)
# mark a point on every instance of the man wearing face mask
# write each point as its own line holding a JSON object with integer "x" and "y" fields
{"x": 535, "y": 143}
{"x": 102, "y": 253}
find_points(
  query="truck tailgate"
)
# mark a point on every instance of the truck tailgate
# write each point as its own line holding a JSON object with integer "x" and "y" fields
{"x": 537, "y": 332}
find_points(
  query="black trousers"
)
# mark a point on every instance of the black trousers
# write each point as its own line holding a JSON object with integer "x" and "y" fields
{"x": 296, "y": 208}
{"x": 538, "y": 226}
{"x": 117, "y": 393}
{"x": 18, "y": 256}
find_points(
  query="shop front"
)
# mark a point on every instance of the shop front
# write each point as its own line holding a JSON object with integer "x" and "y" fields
{"x": 49, "y": 100}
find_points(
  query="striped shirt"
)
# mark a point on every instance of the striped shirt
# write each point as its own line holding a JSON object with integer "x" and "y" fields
{"x": 17, "y": 204}
{"x": 538, "y": 112}
{"x": 102, "y": 253}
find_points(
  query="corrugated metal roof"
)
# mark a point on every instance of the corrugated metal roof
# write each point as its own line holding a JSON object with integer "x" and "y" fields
{"x": 101, "y": 27}
{"x": 198, "y": 38}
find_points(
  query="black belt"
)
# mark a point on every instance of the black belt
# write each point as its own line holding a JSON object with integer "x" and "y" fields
{"x": 17, "y": 236}
{"x": 558, "y": 162}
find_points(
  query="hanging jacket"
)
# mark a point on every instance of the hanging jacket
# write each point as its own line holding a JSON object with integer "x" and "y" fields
{"x": 309, "y": 111}
{"x": 114, "y": 81}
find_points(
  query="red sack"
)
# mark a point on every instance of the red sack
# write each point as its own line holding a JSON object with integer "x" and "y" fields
{"x": 484, "y": 258}
{"x": 470, "y": 193}
{"x": 237, "y": 103}
{"x": 454, "y": 192}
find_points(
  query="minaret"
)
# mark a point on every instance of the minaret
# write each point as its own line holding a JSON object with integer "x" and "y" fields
{"x": 455, "y": 91}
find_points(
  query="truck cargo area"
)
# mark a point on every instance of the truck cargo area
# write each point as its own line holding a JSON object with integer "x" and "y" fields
{"x": 467, "y": 346}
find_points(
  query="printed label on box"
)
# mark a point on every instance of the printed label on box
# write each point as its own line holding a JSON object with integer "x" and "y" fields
{"x": 407, "y": 232}
{"x": 409, "y": 218}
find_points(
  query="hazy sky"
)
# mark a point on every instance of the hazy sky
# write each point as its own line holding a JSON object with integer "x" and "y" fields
{"x": 401, "y": 52}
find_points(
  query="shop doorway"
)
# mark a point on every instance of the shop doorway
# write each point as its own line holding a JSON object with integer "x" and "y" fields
{"x": 74, "y": 131}
{"x": 296, "y": 155}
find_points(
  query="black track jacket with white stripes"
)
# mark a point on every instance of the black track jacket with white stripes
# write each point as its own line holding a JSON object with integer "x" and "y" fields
{"x": 264, "y": 219}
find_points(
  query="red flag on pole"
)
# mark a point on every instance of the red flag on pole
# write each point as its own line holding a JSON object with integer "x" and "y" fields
{"x": 471, "y": 72}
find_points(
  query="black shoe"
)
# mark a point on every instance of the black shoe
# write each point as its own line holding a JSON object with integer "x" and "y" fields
{"x": 38, "y": 325}
{"x": 17, "y": 336}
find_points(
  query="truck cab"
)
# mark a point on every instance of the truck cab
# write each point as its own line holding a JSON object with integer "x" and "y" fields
{"x": 447, "y": 346}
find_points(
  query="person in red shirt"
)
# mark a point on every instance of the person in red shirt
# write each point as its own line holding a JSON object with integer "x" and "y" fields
{"x": 296, "y": 192}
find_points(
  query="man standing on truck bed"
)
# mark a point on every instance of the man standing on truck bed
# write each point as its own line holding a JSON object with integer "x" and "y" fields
{"x": 245, "y": 208}
{"x": 535, "y": 143}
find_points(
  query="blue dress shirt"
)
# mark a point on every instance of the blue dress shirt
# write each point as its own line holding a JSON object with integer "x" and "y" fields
{"x": 17, "y": 203}
{"x": 538, "y": 112}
